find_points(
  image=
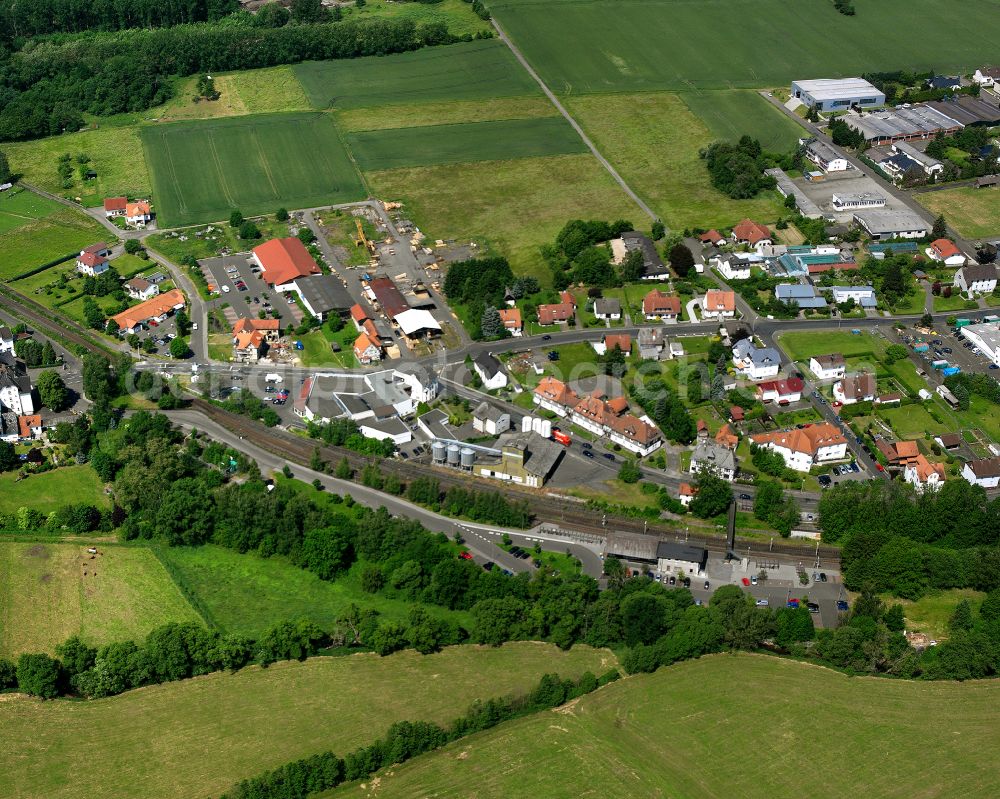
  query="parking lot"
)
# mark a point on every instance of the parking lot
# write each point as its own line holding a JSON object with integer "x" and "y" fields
{"x": 241, "y": 287}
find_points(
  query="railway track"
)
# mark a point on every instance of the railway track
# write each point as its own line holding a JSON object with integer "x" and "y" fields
{"x": 35, "y": 313}
{"x": 547, "y": 509}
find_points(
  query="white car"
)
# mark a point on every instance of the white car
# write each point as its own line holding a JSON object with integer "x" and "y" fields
{"x": 226, "y": 289}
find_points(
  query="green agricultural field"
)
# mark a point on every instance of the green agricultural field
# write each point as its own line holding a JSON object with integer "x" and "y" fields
{"x": 266, "y": 91}
{"x": 513, "y": 207}
{"x": 787, "y": 730}
{"x": 49, "y": 490}
{"x": 203, "y": 170}
{"x": 444, "y": 113}
{"x": 37, "y": 242}
{"x": 480, "y": 70}
{"x": 247, "y": 594}
{"x": 731, "y": 114}
{"x": 454, "y": 144}
{"x": 587, "y": 46}
{"x": 19, "y": 207}
{"x": 974, "y": 213}
{"x": 45, "y": 597}
{"x": 196, "y": 738}
{"x": 115, "y": 155}
{"x": 653, "y": 140}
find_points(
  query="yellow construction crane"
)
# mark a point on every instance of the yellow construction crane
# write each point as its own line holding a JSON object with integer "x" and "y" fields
{"x": 362, "y": 239}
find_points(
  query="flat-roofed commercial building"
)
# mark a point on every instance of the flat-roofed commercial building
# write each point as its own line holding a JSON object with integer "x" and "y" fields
{"x": 836, "y": 94}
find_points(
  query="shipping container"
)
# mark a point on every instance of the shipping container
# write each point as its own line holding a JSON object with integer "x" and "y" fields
{"x": 939, "y": 364}
{"x": 951, "y": 370}
{"x": 962, "y": 322}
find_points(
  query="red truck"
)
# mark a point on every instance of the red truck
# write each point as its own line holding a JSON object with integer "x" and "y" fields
{"x": 560, "y": 436}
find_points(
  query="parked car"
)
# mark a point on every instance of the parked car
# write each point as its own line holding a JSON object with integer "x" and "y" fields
{"x": 813, "y": 607}
{"x": 609, "y": 456}
{"x": 746, "y": 581}
{"x": 488, "y": 566}
{"x": 585, "y": 445}
{"x": 822, "y": 577}
{"x": 546, "y": 337}
{"x": 753, "y": 579}
{"x": 792, "y": 603}
{"x": 762, "y": 603}
{"x": 707, "y": 585}
{"x": 824, "y": 480}
{"x": 842, "y": 606}
{"x": 588, "y": 454}
{"x": 672, "y": 580}
{"x": 745, "y": 496}
{"x": 465, "y": 555}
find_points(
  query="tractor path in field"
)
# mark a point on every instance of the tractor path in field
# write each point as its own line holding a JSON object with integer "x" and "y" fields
{"x": 576, "y": 126}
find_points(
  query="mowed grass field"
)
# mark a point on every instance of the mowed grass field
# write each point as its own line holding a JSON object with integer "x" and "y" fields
{"x": 34, "y": 230}
{"x": 584, "y": 46}
{"x": 728, "y": 725}
{"x": 974, "y": 213}
{"x": 513, "y": 207}
{"x": 475, "y": 141}
{"x": 45, "y": 597}
{"x": 730, "y": 114}
{"x": 653, "y": 140}
{"x": 247, "y": 594}
{"x": 196, "y": 738}
{"x": 49, "y": 490}
{"x": 480, "y": 70}
{"x": 203, "y": 170}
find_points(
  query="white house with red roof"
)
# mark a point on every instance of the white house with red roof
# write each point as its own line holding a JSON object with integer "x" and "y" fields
{"x": 718, "y": 304}
{"x": 115, "y": 206}
{"x": 511, "y": 318}
{"x": 803, "y": 448}
{"x": 658, "y": 305}
{"x": 945, "y": 251}
{"x": 924, "y": 475}
{"x": 93, "y": 261}
{"x": 138, "y": 214}
{"x": 752, "y": 234}
{"x": 781, "y": 391}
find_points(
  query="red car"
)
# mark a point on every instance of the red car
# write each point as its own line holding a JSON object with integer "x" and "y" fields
{"x": 880, "y": 467}
{"x": 465, "y": 555}
{"x": 746, "y": 581}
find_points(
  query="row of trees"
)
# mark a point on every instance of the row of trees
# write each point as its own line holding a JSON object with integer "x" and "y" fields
{"x": 404, "y": 740}
{"x": 174, "y": 651}
{"x": 46, "y": 89}
{"x": 580, "y": 254}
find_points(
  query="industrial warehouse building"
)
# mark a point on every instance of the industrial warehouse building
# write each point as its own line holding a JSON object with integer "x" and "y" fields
{"x": 837, "y": 94}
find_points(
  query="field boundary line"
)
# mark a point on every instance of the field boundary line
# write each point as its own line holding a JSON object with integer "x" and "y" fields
{"x": 223, "y": 183}
{"x": 576, "y": 125}
{"x": 264, "y": 164}
{"x": 196, "y": 603}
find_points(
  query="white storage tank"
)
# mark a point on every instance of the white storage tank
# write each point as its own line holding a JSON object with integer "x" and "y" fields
{"x": 526, "y": 422}
{"x": 438, "y": 450}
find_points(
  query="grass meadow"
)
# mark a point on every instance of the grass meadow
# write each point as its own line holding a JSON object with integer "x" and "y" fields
{"x": 730, "y": 114}
{"x": 49, "y": 490}
{"x": 451, "y": 144}
{"x": 479, "y": 70}
{"x": 246, "y": 594}
{"x": 513, "y": 207}
{"x": 583, "y": 46}
{"x": 198, "y": 737}
{"x": 974, "y": 213}
{"x": 787, "y": 729}
{"x": 203, "y": 170}
{"x": 45, "y": 597}
{"x": 653, "y": 140}
{"x": 34, "y": 230}
{"x": 115, "y": 155}
{"x": 444, "y": 113}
